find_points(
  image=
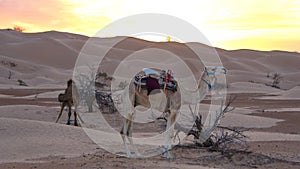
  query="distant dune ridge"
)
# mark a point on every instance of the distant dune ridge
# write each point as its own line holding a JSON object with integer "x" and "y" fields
{"x": 49, "y": 57}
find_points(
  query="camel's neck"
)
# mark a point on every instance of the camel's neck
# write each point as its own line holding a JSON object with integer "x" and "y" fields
{"x": 203, "y": 87}
{"x": 197, "y": 95}
{"x": 204, "y": 82}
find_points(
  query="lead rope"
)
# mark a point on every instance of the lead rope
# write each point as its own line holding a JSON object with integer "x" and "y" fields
{"x": 167, "y": 78}
{"x": 208, "y": 84}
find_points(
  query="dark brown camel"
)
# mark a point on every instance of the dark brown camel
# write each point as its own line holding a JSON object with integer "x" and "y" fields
{"x": 67, "y": 99}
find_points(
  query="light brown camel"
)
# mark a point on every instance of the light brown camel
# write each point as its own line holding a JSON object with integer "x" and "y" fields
{"x": 171, "y": 106}
{"x": 69, "y": 98}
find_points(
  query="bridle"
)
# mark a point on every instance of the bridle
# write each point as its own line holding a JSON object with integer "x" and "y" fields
{"x": 211, "y": 73}
{"x": 205, "y": 81}
{"x": 208, "y": 84}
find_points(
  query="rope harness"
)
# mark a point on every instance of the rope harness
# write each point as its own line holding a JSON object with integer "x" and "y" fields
{"x": 205, "y": 81}
{"x": 208, "y": 84}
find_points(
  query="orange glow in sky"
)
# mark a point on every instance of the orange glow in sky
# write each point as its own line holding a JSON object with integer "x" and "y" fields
{"x": 228, "y": 24}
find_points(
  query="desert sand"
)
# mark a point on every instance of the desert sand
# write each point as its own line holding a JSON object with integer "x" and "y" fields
{"x": 30, "y": 138}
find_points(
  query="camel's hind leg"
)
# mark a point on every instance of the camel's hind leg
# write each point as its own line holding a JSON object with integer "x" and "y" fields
{"x": 130, "y": 127}
{"x": 69, "y": 113}
{"x": 126, "y": 131}
{"x": 75, "y": 119}
{"x": 75, "y": 104}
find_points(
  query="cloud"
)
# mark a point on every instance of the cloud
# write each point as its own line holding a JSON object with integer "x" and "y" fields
{"x": 224, "y": 22}
{"x": 48, "y": 15}
{"x": 249, "y": 15}
{"x": 261, "y": 43}
{"x": 30, "y": 10}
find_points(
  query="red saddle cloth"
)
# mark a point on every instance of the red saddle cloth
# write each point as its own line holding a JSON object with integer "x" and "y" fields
{"x": 151, "y": 84}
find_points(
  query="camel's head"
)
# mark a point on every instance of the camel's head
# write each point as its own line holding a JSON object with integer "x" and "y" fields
{"x": 214, "y": 70}
{"x": 209, "y": 74}
{"x": 69, "y": 83}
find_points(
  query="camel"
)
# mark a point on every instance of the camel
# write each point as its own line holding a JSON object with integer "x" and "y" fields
{"x": 171, "y": 106}
{"x": 69, "y": 98}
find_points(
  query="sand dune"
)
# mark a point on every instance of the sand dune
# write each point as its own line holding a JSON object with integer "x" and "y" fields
{"x": 244, "y": 87}
{"x": 32, "y": 74}
{"x": 292, "y": 94}
{"x": 60, "y": 50}
{"x": 52, "y": 48}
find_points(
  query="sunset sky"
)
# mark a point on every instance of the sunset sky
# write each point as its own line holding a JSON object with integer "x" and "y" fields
{"x": 229, "y": 24}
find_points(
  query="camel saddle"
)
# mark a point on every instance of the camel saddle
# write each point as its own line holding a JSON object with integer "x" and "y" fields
{"x": 151, "y": 79}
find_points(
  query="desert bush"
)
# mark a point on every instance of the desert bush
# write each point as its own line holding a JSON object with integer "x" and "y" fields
{"x": 122, "y": 85}
{"x": 18, "y": 28}
{"x": 86, "y": 88}
{"x": 276, "y": 79}
{"x": 22, "y": 83}
{"x": 8, "y": 63}
{"x": 103, "y": 75}
{"x": 223, "y": 139}
{"x": 105, "y": 102}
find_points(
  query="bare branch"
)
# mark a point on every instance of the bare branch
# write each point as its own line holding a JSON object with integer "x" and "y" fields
{"x": 223, "y": 139}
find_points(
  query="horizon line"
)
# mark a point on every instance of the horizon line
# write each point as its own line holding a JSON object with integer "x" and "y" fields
{"x": 145, "y": 39}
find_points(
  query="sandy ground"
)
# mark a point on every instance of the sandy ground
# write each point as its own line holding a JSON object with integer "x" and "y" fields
{"x": 31, "y": 139}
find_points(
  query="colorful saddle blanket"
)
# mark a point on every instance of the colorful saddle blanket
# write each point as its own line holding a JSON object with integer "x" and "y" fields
{"x": 149, "y": 82}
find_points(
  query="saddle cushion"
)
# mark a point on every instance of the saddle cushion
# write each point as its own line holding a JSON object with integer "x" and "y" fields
{"x": 151, "y": 81}
{"x": 151, "y": 84}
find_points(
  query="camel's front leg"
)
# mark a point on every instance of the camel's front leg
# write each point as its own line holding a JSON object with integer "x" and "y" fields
{"x": 124, "y": 133}
{"x": 169, "y": 134}
{"x": 61, "y": 110}
{"x": 130, "y": 127}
